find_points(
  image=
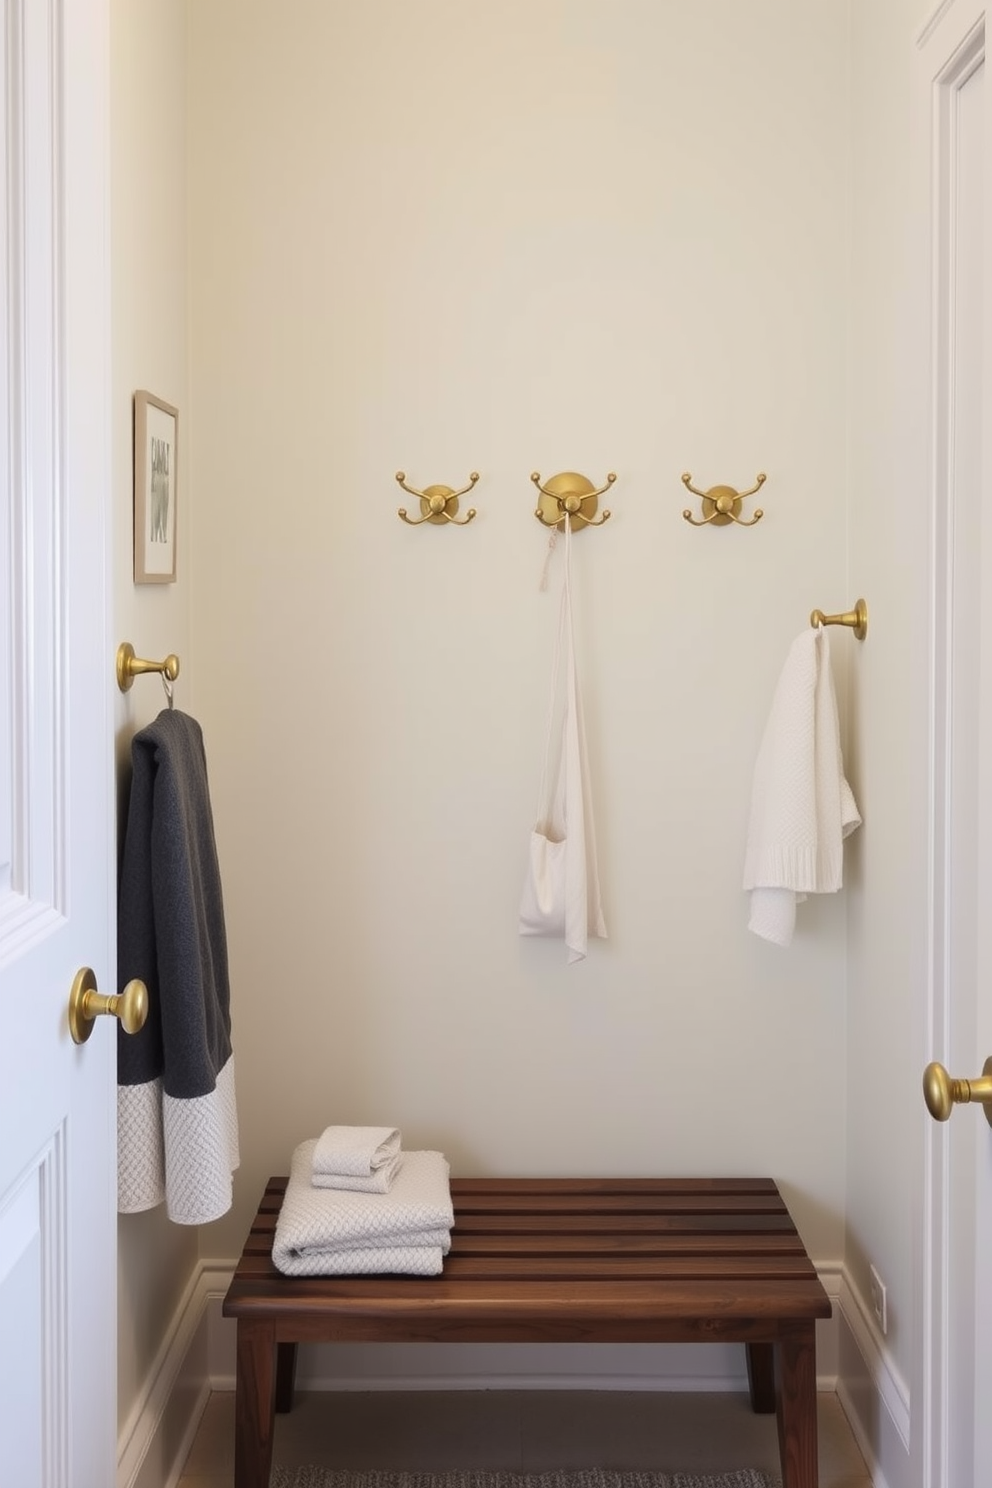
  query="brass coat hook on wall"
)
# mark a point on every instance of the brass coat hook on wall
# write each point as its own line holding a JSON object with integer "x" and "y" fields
{"x": 570, "y": 495}
{"x": 438, "y": 503}
{"x": 130, "y": 666}
{"x": 722, "y": 504}
{"x": 856, "y": 619}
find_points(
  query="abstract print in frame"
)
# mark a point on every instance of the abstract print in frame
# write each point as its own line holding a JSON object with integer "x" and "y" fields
{"x": 156, "y": 429}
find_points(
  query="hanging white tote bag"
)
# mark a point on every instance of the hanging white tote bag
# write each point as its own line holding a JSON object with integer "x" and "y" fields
{"x": 561, "y": 885}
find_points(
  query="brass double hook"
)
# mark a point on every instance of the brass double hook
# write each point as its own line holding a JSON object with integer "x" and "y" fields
{"x": 721, "y": 504}
{"x": 438, "y": 503}
{"x": 566, "y": 495}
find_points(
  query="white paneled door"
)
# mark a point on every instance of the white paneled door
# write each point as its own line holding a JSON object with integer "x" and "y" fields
{"x": 955, "y": 1442}
{"x": 57, "y": 1187}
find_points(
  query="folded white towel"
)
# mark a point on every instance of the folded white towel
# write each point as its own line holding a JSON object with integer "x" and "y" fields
{"x": 319, "y": 1230}
{"x": 382, "y": 1260}
{"x": 354, "y": 1151}
{"x": 801, "y": 804}
{"x": 381, "y": 1181}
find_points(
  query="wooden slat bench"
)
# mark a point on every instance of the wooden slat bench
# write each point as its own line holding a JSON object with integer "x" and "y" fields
{"x": 557, "y": 1260}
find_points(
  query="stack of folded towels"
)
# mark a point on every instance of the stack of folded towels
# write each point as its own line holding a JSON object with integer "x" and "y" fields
{"x": 356, "y": 1205}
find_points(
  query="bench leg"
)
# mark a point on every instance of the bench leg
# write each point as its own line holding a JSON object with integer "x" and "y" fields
{"x": 254, "y": 1404}
{"x": 795, "y": 1403}
{"x": 761, "y": 1377}
{"x": 285, "y": 1376}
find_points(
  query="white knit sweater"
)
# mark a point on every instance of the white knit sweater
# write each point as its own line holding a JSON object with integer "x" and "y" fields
{"x": 802, "y": 807}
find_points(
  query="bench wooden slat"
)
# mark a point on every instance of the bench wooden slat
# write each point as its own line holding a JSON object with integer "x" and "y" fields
{"x": 690, "y": 1242}
{"x": 636, "y": 1205}
{"x": 536, "y": 1187}
{"x": 602, "y": 1225}
{"x": 787, "y": 1243}
{"x": 614, "y": 1268}
{"x": 631, "y": 1184}
{"x": 410, "y": 1308}
{"x": 536, "y": 1267}
{"x": 606, "y": 1224}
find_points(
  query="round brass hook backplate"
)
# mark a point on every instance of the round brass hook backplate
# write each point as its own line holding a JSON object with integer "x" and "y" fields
{"x": 567, "y": 492}
{"x": 125, "y": 656}
{"x": 721, "y": 505}
{"x": 436, "y": 501}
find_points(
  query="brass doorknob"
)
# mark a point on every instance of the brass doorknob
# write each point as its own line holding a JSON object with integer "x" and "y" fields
{"x": 86, "y": 1003}
{"x": 942, "y": 1093}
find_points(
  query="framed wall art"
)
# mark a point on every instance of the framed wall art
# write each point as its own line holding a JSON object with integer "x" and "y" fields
{"x": 156, "y": 430}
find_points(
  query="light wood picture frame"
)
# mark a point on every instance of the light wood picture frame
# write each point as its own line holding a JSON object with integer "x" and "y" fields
{"x": 156, "y": 443}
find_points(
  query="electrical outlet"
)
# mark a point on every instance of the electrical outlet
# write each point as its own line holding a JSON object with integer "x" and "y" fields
{"x": 878, "y": 1300}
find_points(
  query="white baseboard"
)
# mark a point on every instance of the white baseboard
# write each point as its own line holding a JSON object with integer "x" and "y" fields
{"x": 871, "y": 1390}
{"x": 154, "y": 1442}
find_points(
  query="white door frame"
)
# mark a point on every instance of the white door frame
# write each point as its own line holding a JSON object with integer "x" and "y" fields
{"x": 951, "y": 49}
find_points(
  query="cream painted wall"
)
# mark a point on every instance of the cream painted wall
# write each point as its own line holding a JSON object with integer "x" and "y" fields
{"x": 585, "y": 236}
{"x": 148, "y": 247}
{"x": 509, "y": 238}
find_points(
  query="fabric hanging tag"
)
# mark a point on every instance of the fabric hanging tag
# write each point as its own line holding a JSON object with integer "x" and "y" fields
{"x": 546, "y": 567}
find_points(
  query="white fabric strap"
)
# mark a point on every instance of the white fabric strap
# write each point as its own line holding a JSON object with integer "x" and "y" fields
{"x": 549, "y": 810}
{"x": 561, "y": 890}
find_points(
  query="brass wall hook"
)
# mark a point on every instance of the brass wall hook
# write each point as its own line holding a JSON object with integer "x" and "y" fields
{"x": 722, "y": 504}
{"x": 570, "y": 495}
{"x": 130, "y": 666}
{"x": 856, "y": 619}
{"x": 438, "y": 503}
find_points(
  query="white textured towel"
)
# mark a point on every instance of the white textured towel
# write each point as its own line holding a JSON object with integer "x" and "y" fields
{"x": 354, "y": 1151}
{"x": 333, "y": 1231}
{"x": 802, "y": 807}
{"x": 381, "y": 1181}
{"x": 393, "y": 1260}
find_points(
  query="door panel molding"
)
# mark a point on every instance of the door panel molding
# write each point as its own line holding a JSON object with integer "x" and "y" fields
{"x": 34, "y": 1275}
{"x": 944, "y": 11}
{"x": 33, "y": 816}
